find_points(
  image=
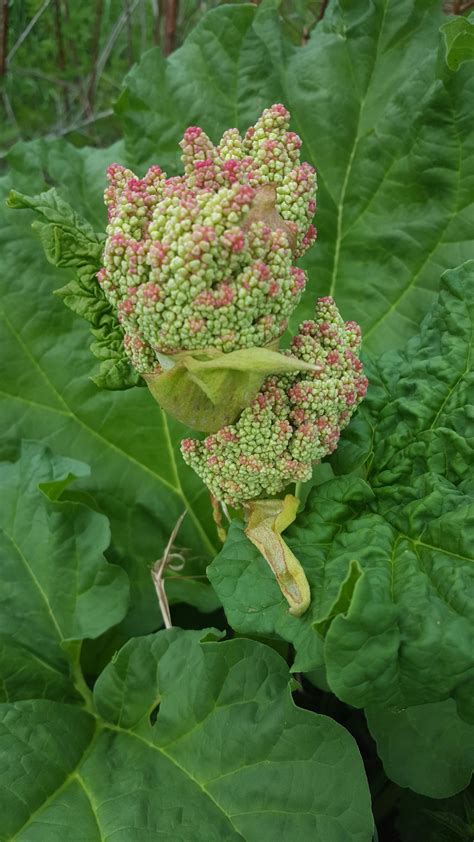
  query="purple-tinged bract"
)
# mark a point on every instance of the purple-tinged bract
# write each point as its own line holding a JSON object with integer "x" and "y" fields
{"x": 205, "y": 259}
{"x": 293, "y": 422}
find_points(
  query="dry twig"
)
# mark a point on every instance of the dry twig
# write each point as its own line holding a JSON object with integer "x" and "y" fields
{"x": 158, "y": 570}
{"x": 171, "y": 14}
{"x": 27, "y": 30}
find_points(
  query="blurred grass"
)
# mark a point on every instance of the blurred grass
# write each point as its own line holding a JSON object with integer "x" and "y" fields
{"x": 62, "y": 61}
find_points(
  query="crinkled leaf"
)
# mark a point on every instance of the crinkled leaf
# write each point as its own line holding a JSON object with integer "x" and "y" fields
{"x": 388, "y": 557}
{"x": 70, "y": 241}
{"x": 56, "y": 584}
{"x": 427, "y": 422}
{"x": 229, "y": 756}
{"x": 137, "y": 476}
{"x": 439, "y": 745}
{"x": 386, "y": 123}
{"x": 459, "y": 40}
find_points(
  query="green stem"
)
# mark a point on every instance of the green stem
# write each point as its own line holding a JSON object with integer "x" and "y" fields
{"x": 78, "y": 678}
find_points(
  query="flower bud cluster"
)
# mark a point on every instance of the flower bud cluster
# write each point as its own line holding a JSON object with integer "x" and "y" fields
{"x": 205, "y": 259}
{"x": 293, "y": 422}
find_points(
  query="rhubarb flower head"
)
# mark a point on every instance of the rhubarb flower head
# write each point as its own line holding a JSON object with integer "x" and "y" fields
{"x": 206, "y": 259}
{"x": 295, "y": 420}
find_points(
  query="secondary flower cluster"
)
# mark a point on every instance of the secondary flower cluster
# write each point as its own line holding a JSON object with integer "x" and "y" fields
{"x": 205, "y": 259}
{"x": 294, "y": 421}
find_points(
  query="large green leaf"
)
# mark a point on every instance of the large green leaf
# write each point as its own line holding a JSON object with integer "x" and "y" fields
{"x": 387, "y": 549}
{"x": 428, "y": 747}
{"x": 137, "y": 476}
{"x": 229, "y": 756}
{"x": 383, "y": 119}
{"x": 57, "y": 587}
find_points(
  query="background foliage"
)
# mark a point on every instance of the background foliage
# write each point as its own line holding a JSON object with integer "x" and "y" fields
{"x": 383, "y": 102}
{"x": 62, "y": 63}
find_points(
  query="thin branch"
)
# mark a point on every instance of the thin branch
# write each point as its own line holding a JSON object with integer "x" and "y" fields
{"x": 28, "y": 72}
{"x": 71, "y": 43}
{"x": 457, "y": 7}
{"x": 171, "y": 14}
{"x": 27, "y": 30}
{"x": 104, "y": 56}
{"x": 77, "y": 126}
{"x": 59, "y": 35}
{"x": 322, "y": 9}
{"x": 98, "y": 69}
{"x": 4, "y": 39}
{"x": 158, "y": 4}
{"x": 10, "y": 112}
{"x": 99, "y": 9}
{"x": 143, "y": 28}
{"x": 157, "y": 574}
{"x": 128, "y": 18}
{"x": 61, "y": 52}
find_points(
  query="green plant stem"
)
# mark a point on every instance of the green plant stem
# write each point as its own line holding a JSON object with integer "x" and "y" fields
{"x": 78, "y": 679}
{"x": 298, "y": 487}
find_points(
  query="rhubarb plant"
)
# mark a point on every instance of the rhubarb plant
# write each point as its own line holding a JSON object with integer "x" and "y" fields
{"x": 197, "y": 282}
{"x": 275, "y": 432}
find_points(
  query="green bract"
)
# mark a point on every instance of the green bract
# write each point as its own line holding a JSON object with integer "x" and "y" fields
{"x": 209, "y": 390}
